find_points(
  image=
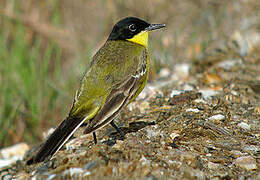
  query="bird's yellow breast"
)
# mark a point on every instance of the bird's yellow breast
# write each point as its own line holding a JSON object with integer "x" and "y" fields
{"x": 141, "y": 38}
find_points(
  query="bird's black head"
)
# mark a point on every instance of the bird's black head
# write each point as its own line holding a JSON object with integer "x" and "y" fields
{"x": 128, "y": 27}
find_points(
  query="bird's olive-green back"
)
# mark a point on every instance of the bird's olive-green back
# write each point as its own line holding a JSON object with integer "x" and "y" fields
{"x": 115, "y": 62}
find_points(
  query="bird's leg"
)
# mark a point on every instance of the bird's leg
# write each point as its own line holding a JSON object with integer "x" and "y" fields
{"x": 95, "y": 137}
{"x": 118, "y": 129}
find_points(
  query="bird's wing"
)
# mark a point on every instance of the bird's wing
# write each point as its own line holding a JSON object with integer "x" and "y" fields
{"x": 121, "y": 93}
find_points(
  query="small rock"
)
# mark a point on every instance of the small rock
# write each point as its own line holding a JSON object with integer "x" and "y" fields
{"x": 151, "y": 133}
{"x": 244, "y": 125}
{"x": 175, "y": 92}
{"x": 246, "y": 162}
{"x": 119, "y": 144}
{"x": 200, "y": 101}
{"x": 236, "y": 153}
{"x": 91, "y": 165}
{"x": 228, "y": 64}
{"x": 251, "y": 149}
{"x": 181, "y": 71}
{"x": 144, "y": 161}
{"x": 187, "y": 87}
{"x": 6, "y": 162}
{"x": 51, "y": 177}
{"x": 165, "y": 72}
{"x": 144, "y": 106}
{"x": 257, "y": 110}
{"x": 212, "y": 78}
{"x": 217, "y": 117}
{"x": 208, "y": 93}
{"x": 212, "y": 165}
{"x": 185, "y": 97}
{"x": 192, "y": 110}
{"x": 15, "y": 150}
{"x": 241, "y": 43}
{"x": 189, "y": 158}
{"x": 72, "y": 171}
{"x": 235, "y": 93}
{"x": 174, "y": 135}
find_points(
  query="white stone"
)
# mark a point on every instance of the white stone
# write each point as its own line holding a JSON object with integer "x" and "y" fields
{"x": 51, "y": 177}
{"x": 244, "y": 125}
{"x": 164, "y": 72}
{"x": 72, "y": 171}
{"x": 182, "y": 71}
{"x": 7, "y": 162}
{"x": 175, "y": 93}
{"x": 187, "y": 87}
{"x": 217, "y": 117}
{"x": 228, "y": 64}
{"x": 246, "y": 162}
{"x": 151, "y": 133}
{"x": 144, "y": 161}
{"x": 212, "y": 165}
{"x": 16, "y": 150}
{"x": 87, "y": 173}
{"x": 200, "y": 101}
{"x": 192, "y": 110}
{"x": 207, "y": 93}
{"x": 174, "y": 135}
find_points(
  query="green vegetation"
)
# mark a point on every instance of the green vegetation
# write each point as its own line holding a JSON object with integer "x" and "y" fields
{"x": 29, "y": 67}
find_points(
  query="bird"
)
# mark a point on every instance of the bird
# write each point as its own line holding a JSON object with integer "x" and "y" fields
{"x": 117, "y": 74}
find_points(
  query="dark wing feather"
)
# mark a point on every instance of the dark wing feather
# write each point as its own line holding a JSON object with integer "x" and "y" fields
{"x": 116, "y": 100}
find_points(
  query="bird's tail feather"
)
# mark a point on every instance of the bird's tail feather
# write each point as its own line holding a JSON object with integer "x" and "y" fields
{"x": 56, "y": 140}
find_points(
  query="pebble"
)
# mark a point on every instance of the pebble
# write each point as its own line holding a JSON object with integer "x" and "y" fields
{"x": 236, "y": 153}
{"x": 91, "y": 165}
{"x": 212, "y": 165}
{"x": 72, "y": 171}
{"x": 187, "y": 87}
{"x": 228, "y": 64}
{"x": 242, "y": 42}
{"x": 217, "y": 117}
{"x": 15, "y": 150}
{"x": 165, "y": 72}
{"x": 6, "y": 162}
{"x": 118, "y": 144}
{"x": 144, "y": 161}
{"x": 51, "y": 177}
{"x": 174, "y": 135}
{"x": 208, "y": 93}
{"x": 175, "y": 93}
{"x": 181, "y": 71}
{"x": 200, "y": 101}
{"x": 244, "y": 125}
{"x": 143, "y": 107}
{"x": 246, "y": 162}
{"x": 192, "y": 110}
{"x": 251, "y": 149}
{"x": 257, "y": 110}
{"x": 189, "y": 158}
{"x": 151, "y": 133}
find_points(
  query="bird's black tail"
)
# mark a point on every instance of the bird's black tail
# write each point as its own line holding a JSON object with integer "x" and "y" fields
{"x": 56, "y": 140}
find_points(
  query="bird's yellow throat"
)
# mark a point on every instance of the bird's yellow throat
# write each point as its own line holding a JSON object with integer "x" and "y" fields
{"x": 140, "y": 38}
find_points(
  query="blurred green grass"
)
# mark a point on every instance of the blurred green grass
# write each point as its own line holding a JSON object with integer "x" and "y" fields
{"x": 28, "y": 65}
{"x": 46, "y": 45}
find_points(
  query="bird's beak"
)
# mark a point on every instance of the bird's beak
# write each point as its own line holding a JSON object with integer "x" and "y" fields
{"x": 154, "y": 26}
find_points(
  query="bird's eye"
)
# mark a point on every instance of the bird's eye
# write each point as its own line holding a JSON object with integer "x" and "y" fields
{"x": 132, "y": 27}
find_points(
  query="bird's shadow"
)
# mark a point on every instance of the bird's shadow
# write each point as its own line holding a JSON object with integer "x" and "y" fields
{"x": 133, "y": 127}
